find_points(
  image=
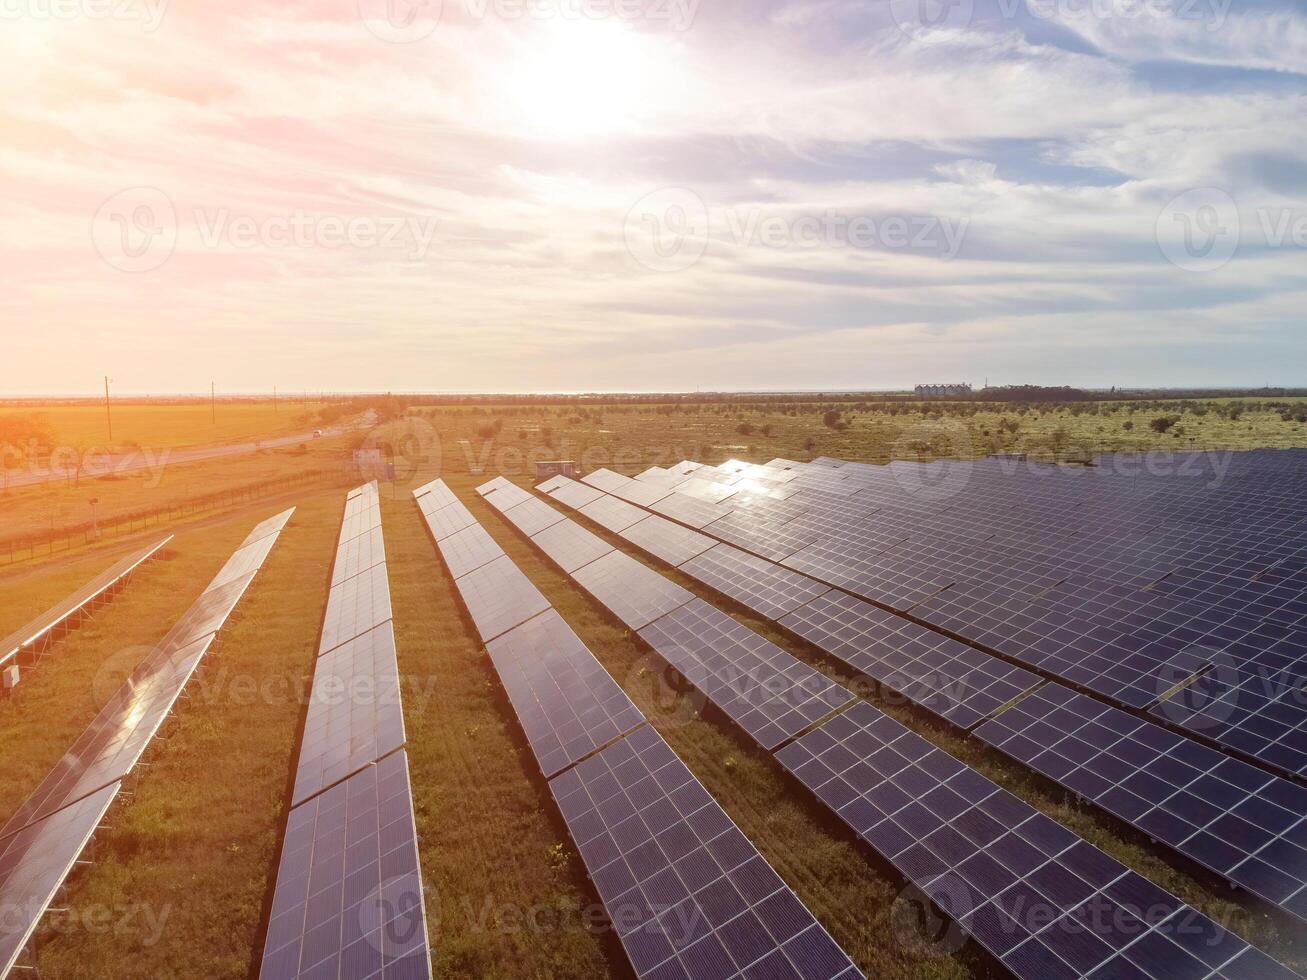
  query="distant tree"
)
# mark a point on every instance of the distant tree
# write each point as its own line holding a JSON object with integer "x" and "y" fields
{"x": 1163, "y": 422}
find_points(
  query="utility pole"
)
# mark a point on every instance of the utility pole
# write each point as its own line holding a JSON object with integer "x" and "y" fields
{"x": 213, "y": 403}
{"x": 107, "y": 414}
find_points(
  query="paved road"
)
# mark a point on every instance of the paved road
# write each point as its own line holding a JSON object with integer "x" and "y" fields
{"x": 118, "y": 464}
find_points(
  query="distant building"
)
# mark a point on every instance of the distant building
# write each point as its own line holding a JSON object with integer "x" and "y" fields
{"x": 555, "y": 467}
{"x": 943, "y": 391}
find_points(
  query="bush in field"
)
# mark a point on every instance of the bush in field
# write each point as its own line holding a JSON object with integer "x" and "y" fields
{"x": 1163, "y": 423}
{"x": 745, "y": 428}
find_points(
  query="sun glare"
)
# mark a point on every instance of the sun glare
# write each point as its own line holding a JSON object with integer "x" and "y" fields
{"x": 580, "y": 79}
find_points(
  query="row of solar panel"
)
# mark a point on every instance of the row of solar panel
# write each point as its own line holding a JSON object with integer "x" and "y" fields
{"x": 1240, "y": 822}
{"x": 41, "y": 842}
{"x": 1088, "y": 623}
{"x": 348, "y": 899}
{"x": 907, "y": 814}
{"x": 688, "y": 894}
{"x": 944, "y": 676}
{"x": 33, "y": 634}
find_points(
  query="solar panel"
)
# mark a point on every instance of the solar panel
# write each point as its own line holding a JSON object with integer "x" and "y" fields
{"x": 670, "y": 542}
{"x": 949, "y": 678}
{"x": 570, "y": 545}
{"x": 690, "y": 511}
{"x": 364, "y": 520}
{"x": 498, "y": 597}
{"x": 449, "y": 520}
{"x": 616, "y": 515}
{"x": 688, "y": 894}
{"x": 354, "y": 715}
{"x": 1043, "y": 901}
{"x": 754, "y": 582}
{"x": 34, "y": 864}
{"x": 507, "y": 495}
{"x": 759, "y": 686}
{"x": 553, "y": 483}
{"x": 358, "y": 555}
{"x": 437, "y": 493}
{"x": 606, "y": 480}
{"x": 33, "y": 632}
{"x": 634, "y": 593}
{"x": 468, "y": 550}
{"x": 641, "y": 494}
{"x": 490, "y": 486}
{"x": 355, "y": 606}
{"x": 1241, "y": 822}
{"x": 273, "y": 525}
{"x": 567, "y": 704}
{"x": 1258, "y": 713}
{"x": 575, "y": 494}
{"x": 348, "y": 901}
{"x": 531, "y": 516}
{"x": 112, "y": 744}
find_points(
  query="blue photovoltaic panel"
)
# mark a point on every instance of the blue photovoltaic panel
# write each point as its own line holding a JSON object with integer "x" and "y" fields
{"x": 761, "y": 687}
{"x": 468, "y": 550}
{"x": 34, "y": 864}
{"x": 355, "y": 606}
{"x": 567, "y": 704}
{"x": 1047, "y": 904}
{"x": 947, "y": 677}
{"x": 612, "y": 513}
{"x": 689, "y": 895}
{"x": 634, "y": 593}
{"x": 448, "y": 520}
{"x": 354, "y": 716}
{"x": 531, "y": 516}
{"x": 762, "y": 586}
{"x": 666, "y": 540}
{"x": 574, "y": 494}
{"x": 570, "y": 546}
{"x": 1243, "y": 823}
{"x": 348, "y": 902}
{"x": 498, "y": 597}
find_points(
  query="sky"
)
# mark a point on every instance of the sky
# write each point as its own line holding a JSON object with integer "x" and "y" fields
{"x": 561, "y": 195}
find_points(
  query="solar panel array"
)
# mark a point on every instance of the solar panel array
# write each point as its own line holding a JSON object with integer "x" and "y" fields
{"x": 942, "y": 675}
{"x": 1045, "y": 903}
{"x": 1132, "y": 581}
{"x": 40, "y": 630}
{"x": 1185, "y": 796}
{"x": 689, "y": 896}
{"x": 41, "y": 841}
{"x": 1235, "y": 819}
{"x": 1003, "y": 871}
{"x": 348, "y": 898}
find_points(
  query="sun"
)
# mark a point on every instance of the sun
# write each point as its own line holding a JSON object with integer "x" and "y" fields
{"x": 579, "y": 78}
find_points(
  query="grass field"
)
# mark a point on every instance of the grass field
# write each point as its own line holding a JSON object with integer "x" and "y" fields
{"x": 158, "y": 426}
{"x": 180, "y": 876}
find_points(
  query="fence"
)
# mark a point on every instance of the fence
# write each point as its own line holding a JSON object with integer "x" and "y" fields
{"x": 28, "y": 546}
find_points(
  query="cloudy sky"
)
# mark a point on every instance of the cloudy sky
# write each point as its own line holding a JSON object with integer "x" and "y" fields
{"x": 647, "y": 194}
